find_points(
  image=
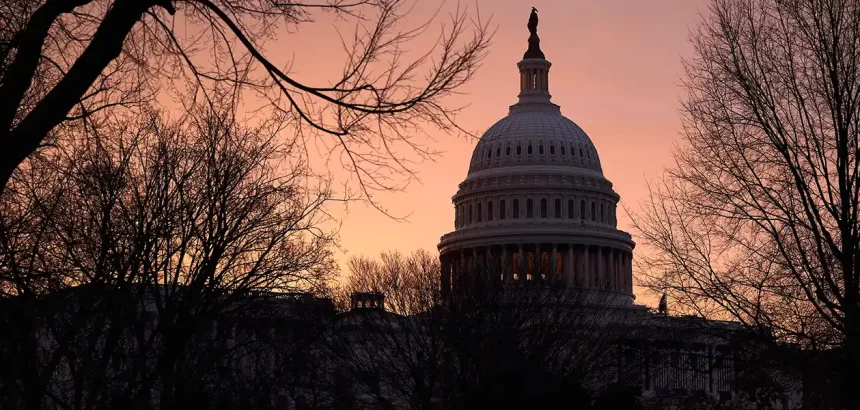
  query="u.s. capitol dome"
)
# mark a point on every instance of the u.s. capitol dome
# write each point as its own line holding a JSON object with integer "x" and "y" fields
{"x": 535, "y": 207}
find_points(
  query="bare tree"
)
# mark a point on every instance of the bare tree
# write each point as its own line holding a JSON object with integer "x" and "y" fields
{"x": 68, "y": 61}
{"x": 123, "y": 251}
{"x": 482, "y": 344}
{"x": 757, "y": 220}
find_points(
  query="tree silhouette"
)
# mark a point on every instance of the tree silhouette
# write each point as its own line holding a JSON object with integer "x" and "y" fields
{"x": 480, "y": 346}
{"x": 128, "y": 264}
{"x": 757, "y": 220}
{"x": 64, "y": 61}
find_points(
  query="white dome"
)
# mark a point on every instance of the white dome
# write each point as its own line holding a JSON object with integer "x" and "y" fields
{"x": 534, "y": 138}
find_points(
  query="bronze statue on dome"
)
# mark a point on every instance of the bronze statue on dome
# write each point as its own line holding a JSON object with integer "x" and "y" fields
{"x": 533, "y": 21}
{"x": 534, "y": 41}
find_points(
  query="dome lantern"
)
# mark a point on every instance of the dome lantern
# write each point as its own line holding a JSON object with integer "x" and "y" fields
{"x": 534, "y": 75}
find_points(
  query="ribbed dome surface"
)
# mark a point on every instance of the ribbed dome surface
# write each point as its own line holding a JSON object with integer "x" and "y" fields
{"x": 534, "y": 138}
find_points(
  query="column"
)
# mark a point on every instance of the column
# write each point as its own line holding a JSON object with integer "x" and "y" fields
{"x": 571, "y": 267}
{"x": 464, "y": 266}
{"x": 553, "y": 264}
{"x": 586, "y": 273}
{"x": 601, "y": 273}
{"x": 625, "y": 261}
{"x": 546, "y": 80}
{"x": 610, "y": 272}
{"x": 446, "y": 275}
{"x": 507, "y": 265}
{"x": 522, "y": 263}
{"x": 492, "y": 265}
{"x": 609, "y": 268}
{"x": 630, "y": 273}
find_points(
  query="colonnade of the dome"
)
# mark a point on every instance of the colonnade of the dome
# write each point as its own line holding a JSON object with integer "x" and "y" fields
{"x": 524, "y": 264}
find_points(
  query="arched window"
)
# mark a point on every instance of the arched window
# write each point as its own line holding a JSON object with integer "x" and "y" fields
{"x": 519, "y": 150}
{"x": 508, "y": 151}
{"x": 552, "y": 150}
{"x": 530, "y": 150}
{"x": 530, "y": 208}
{"x": 516, "y": 209}
{"x": 569, "y": 209}
{"x": 588, "y": 153}
{"x": 602, "y": 219}
{"x": 489, "y": 153}
{"x": 580, "y": 153}
{"x": 540, "y": 149}
{"x": 562, "y": 150}
{"x": 480, "y": 216}
{"x": 543, "y": 208}
{"x": 498, "y": 152}
{"x": 502, "y": 210}
{"x": 581, "y": 210}
{"x": 470, "y": 213}
{"x": 557, "y": 211}
{"x": 593, "y": 213}
{"x": 489, "y": 211}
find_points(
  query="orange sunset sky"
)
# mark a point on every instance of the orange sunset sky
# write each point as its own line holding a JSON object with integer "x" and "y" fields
{"x": 616, "y": 72}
